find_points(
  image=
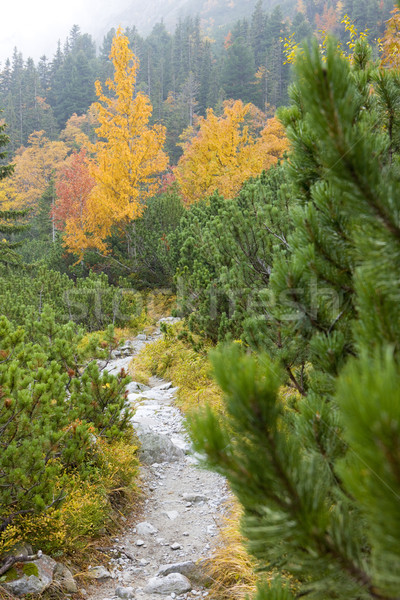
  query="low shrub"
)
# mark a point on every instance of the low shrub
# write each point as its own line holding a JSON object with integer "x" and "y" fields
{"x": 58, "y": 412}
{"x": 88, "y": 503}
{"x": 90, "y": 302}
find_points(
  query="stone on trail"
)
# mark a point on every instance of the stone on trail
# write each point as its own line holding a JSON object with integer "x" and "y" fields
{"x": 156, "y": 447}
{"x": 195, "y": 571}
{"x": 64, "y": 579}
{"x": 135, "y": 388}
{"x": 175, "y": 546}
{"x": 145, "y": 528}
{"x": 172, "y": 583}
{"x": 195, "y": 498}
{"x": 126, "y": 593}
{"x": 98, "y": 573}
{"x": 171, "y": 514}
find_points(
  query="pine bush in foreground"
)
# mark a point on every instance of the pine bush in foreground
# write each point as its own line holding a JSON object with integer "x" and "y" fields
{"x": 54, "y": 405}
{"x": 318, "y": 477}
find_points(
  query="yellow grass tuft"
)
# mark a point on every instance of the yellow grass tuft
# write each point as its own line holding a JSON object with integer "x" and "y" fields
{"x": 175, "y": 360}
{"x": 231, "y": 568}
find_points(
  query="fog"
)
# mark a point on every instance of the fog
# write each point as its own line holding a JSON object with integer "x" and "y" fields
{"x": 35, "y": 27}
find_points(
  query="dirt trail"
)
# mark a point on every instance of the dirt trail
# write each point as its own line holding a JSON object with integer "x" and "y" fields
{"x": 183, "y": 505}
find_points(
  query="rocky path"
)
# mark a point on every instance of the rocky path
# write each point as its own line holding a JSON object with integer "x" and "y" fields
{"x": 163, "y": 554}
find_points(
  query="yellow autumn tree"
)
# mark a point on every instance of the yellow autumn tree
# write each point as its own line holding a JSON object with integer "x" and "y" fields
{"x": 36, "y": 166}
{"x": 128, "y": 156}
{"x": 390, "y": 44}
{"x": 79, "y": 130}
{"x": 226, "y": 151}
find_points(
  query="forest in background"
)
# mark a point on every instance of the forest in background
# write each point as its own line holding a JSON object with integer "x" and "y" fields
{"x": 48, "y": 110}
{"x": 184, "y": 72}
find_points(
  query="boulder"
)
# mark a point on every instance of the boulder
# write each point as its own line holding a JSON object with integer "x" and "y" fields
{"x": 99, "y": 573}
{"x": 195, "y": 571}
{"x": 156, "y": 447}
{"x": 30, "y": 577}
{"x": 170, "y": 320}
{"x": 126, "y": 593}
{"x": 64, "y": 579}
{"x": 134, "y": 387}
{"x": 174, "y": 583}
{"x": 145, "y": 528}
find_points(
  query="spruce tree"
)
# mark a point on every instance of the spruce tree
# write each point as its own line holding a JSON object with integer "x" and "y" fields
{"x": 8, "y": 218}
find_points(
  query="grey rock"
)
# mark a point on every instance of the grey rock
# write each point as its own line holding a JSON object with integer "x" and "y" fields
{"x": 145, "y": 528}
{"x": 141, "y": 336}
{"x": 172, "y": 583}
{"x": 135, "y": 387}
{"x": 99, "y": 572}
{"x": 195, "y": 498}
{"x": 179, "y": 441}
{"x": 156, "y": 447}
{"x": 170, "y": 320}
{"x": 171, "y": 514}
{"x": 125, "y": 592}
{"x": 64, "y": 579}
{"x": 165, "y": 386}
{"x": 33, "y": 584}
{"x": 175, "y": 546}
{"x": 139, "y": 542}
{"x": 195, "y": 571}
{"x": 125, "y": 350}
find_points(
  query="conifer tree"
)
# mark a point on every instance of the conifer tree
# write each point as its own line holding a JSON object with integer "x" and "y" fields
{"x": 317, "y": 470}
{"x": 8, "y": 218}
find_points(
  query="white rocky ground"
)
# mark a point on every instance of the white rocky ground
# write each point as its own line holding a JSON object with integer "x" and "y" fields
{"x": 162, "y": 555}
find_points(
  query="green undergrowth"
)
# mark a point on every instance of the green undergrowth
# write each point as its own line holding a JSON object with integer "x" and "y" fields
{"x": 93, "y": 466}
{"x": 91, "y": 508}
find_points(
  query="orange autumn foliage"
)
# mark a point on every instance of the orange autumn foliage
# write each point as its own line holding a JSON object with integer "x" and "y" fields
{"x": 73, "y": 187}
{"x": 327, "y": 21}
{"x": 226, "y": 151}
{"x": 128, "y": 156}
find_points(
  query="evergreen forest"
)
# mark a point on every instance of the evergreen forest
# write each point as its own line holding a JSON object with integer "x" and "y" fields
{"x": 245, "y": 180}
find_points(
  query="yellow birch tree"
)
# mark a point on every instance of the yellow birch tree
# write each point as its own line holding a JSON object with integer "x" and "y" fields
{"x": 128, "y": 156}
{"x": 35, "y": 168}
{"x": 226, "y": 151}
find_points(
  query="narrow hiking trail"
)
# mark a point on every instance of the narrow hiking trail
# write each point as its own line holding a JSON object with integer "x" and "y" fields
{"x": 162, "y": 555}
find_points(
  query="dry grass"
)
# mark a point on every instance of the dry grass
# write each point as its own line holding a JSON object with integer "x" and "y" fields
{"x": 175, "y": 360}
{"x": 231, "y": 568}
{"x": 159, "y": 304}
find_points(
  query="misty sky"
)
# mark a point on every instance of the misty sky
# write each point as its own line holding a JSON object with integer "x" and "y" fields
{"x": 34, "y": 26}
